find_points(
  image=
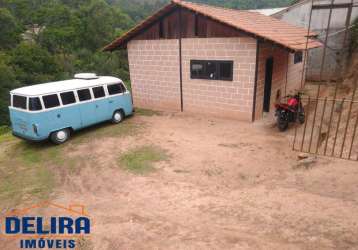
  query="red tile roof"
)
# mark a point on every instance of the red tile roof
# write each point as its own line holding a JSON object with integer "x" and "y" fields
{"x": 261, "y": 26}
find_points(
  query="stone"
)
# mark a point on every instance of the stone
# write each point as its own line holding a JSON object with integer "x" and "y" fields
{"x": 306, "y": 162}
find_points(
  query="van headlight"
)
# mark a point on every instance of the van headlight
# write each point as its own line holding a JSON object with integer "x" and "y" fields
{"x": 35, "y": 128}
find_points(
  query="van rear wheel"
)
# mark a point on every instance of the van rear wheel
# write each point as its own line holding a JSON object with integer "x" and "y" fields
{"x": 117, "y": 117}
{"x": 60, "y": 136}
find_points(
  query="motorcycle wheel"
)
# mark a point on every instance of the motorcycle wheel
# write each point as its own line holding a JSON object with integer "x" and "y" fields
{"x": 282, "y": 124}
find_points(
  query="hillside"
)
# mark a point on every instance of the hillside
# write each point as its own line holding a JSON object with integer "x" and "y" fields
{"x": 139, "y": 9}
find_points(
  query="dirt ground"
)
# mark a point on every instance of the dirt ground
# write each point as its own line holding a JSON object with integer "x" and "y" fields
{"x": 225, "y": 185}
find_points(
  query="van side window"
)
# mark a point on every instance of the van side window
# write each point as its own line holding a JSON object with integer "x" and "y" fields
{"x": 19, "y": 102}
{"x": 34, "y": 104}
{"x": 84, "y": 95}
{"x": 114, "y": 89}
{"x": 51, "y": 101}
{"x": 98, "y": 92}
{"x": 123, "y": 88}
{"x": 68, "y": 98}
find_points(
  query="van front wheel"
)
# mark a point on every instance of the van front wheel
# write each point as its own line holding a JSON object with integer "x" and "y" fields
{"x": 60, "y": 136}
{"x": 117, "y": 117}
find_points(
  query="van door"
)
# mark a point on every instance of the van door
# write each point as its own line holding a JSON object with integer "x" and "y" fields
{"x": 115, "y": 92}
{"x": 87, "y": 107}
{"x": 53, "y": 113}
{"x": 101, "y": 104}
{"x": 70, "y": 112}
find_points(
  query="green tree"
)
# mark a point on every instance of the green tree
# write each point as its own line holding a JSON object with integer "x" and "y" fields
{"x": 7, "y": 82}
{"x": 9, "y": 30}
{"x": 60, "y": 24}
{"x": 34, "y": 64}
{"x": 354, "y": 36}
{"x": 99, "y": 22}
{"x": 114, "y": 64}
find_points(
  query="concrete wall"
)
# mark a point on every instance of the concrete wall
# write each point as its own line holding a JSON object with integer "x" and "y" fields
{"x": 286, "y": 76}
{"x": 154, "y": 72}
{"x": 299, "y": 15}
{"x": 336, "y": 55}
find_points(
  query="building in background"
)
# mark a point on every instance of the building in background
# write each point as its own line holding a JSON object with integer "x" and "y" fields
{"x": 343, "y": 14}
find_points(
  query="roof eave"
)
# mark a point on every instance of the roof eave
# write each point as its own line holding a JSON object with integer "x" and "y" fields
{"x": 121, "y": 42}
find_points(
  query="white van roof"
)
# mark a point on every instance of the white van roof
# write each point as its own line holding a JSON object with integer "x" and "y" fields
{"x": 62, "y": 86}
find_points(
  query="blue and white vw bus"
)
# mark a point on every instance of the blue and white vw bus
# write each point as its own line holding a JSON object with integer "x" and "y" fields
{"x": 54, "y": 110}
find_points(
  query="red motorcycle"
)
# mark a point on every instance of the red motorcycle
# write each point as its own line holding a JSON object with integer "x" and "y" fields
{"x": 292, "y": 111}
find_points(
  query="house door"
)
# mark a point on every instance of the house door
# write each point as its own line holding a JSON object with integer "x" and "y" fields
{"x": 268, "y": 84}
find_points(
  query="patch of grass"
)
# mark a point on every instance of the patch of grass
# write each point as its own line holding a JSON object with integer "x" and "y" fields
{"x": 30, "y": 171}
{"x": 105, "y": 130}
{"x": 5, "y": 134}
{"x": 19, "y": 182}
{"x": 26, "y": 171}
{"x": 4, "y": 130}
{"x": 141, "y": 160}
{"x": 38, "y": 153}
{"x": 146, "y": 112}
{"x": 6, "y": 137}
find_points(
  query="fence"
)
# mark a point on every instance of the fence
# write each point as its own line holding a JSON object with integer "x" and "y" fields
{"x": 331, "y": 107}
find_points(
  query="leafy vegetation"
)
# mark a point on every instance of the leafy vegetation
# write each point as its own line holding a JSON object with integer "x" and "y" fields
{"x": 51, "y": 40}
{"x": 354, "y": 36}
{"x": 48, "y": 40}
{"x": 4, "y": 130}
{"x": 141, "y": 160}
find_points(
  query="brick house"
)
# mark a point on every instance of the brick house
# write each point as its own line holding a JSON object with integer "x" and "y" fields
{"x": 198, "y": 58}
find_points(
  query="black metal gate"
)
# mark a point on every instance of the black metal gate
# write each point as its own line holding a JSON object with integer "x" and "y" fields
{"x": 331, "y": 104}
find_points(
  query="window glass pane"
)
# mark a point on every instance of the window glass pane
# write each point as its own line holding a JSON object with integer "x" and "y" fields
{"x": 114, "y": 89}
{"x": 211, "y": 70}
{"x": 51, "y": 101}
{"x": 123, "y": 88}
{"x": 197, "y": 70}
{"x": 225, "y": 69}
{"x": 34, "y": 104}
{"x": 68, "y": 98}
{"x": 84, "y": 95}
{"x": 19, "y": 102}
{"x": 98, "y": 92}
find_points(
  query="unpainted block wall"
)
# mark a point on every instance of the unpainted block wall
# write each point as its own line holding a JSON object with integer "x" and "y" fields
{"x": 232, "y": 99}
{"x": 286, "y": 77}
{"x": 154, "y": 73}
{"x": 154, "y": 70}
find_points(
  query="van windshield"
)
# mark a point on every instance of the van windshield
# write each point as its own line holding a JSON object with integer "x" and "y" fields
{"x": 19, "y": 101}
